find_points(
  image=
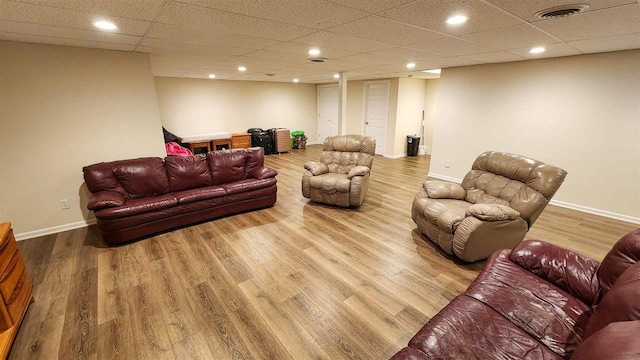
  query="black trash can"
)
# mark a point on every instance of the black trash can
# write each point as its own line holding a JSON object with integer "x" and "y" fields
{"x": 413, "y": 141}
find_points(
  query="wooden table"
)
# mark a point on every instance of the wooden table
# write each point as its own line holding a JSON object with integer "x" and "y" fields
{"x": 199, "y": 145}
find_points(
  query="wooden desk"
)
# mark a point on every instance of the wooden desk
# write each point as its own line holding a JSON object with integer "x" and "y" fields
{"x": 15, "y": 289}
{"x": 199, "y": 145}
{"x": 241, "y": 141}
{"x": 221, "y": 144}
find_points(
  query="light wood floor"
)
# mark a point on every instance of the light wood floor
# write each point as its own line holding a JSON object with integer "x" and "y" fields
{"x": 295, "y": 281}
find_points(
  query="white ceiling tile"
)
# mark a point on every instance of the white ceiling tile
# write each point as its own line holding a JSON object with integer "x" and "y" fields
{"x": 64, "y": 42}
{"x": 453, "y": 47}
{"x": 495, "y": 57}
{"x": 324, "y": 14}
{"x": 176, "y": 33}
{"x": 372, "y": 6}
{"x": 594, "y": 24}
{"x": 455, "y": 61}
{"x": 402, "y": 55}
{"x": 385, "y": 30}
{"x": 65, "y": 33}
{"x": 511, "y": 37}
{"x": 195, "y": 48}
{"x": 303, "y": 50}
{"x": 43, "y": 15}
{"x": 552, "y": 50}
{"x": 432, "y": 14}
{"x": 611, "y": 43}
{"x": 138, "y": 9}
{"x": 527, "y": 9}
{"x": 341, "y": 41}
{"x": 220, "y": 22}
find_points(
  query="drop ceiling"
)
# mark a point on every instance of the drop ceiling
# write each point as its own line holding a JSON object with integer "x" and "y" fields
{"x": 365, "y": 39}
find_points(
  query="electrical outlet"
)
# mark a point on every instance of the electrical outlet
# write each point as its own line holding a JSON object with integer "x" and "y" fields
{"x": 64, "y": 204}
{"x": 447, "y": 163}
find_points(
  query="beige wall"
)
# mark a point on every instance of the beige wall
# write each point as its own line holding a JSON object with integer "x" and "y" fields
{"x": 581, "y": 113}
{"x": 430, "y": 106}
{"x": 63, "y": 108}
{"x": 411, "y": 95}
{"x": 200, "y": 106}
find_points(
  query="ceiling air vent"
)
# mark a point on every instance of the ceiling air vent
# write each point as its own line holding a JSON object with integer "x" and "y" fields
{"x": 318, "y": 59}
{"x": 561, "y": 11}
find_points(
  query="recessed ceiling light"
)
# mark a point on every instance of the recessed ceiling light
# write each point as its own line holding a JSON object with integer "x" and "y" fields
{"x": 314, "y": 51}
{"x": 433, "y": 71}
{"x": 411, "y": 65}
{"x": 212, "y": 76}
{"x": 456, "y": 20}
{"x": 105, "y": 25}
{"x": 336, "y": 76}
{"x": 537, "y": 50}
{"x": 295, "y": 80}
{"x": 242, "y": 68}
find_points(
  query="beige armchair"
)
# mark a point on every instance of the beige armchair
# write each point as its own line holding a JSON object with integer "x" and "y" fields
{"x": 493, "y": 208}
{"x": 342, "y": 176}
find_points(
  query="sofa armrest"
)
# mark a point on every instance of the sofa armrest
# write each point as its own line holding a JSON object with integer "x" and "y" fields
{"x": 358, "y": 171}
{"x": 105, "y": 199}
{"x": 564, "y": 268}
{"x": 492, "y": 212}
{"x": 316, "y": 168}
{"x": 263, "y": 173}
{"x": 444, "y": 190}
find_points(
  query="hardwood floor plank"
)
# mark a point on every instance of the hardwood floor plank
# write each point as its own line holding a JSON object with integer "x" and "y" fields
{"x": 298, "y": 280}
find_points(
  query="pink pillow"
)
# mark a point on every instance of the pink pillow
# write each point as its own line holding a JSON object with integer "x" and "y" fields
{"x": 174, "y": 148}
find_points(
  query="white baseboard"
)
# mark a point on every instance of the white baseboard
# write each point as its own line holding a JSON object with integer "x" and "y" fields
{"x": 394, "y": 156}
{"x": 444, "y": 177}
{"x": 54, "y": 229}
{"x": 564, "y": 204}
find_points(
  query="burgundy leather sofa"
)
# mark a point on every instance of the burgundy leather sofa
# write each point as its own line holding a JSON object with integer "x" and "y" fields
{"x": 139, "y": 197}
{"x": 540, "y": 301}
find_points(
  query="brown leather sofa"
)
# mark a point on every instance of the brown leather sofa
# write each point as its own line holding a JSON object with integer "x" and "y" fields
{"x": 341, "y": 177}
{"x": 493, "y": 208}
{"x": 139, "y": 197}
{"x": 540, "y": 301}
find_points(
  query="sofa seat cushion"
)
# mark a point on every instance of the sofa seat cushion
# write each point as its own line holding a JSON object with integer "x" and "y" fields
{"x": 331, "y": 183}
{"x": 469, "y": 329}
{"x": 203, "y": 193}
{"x": 138, "y": 206}
{"x": 240, "y": 186}
{"x": 409, "y": 353}
{"x": 547, "y": 313}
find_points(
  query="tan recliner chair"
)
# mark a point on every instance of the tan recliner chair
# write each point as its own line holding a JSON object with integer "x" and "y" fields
{"x": 342, "y": 176}
{"x": 493, "y": 208}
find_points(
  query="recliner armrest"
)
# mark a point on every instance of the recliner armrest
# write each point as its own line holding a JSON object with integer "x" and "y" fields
{"x": 358, "y": 171}
{"x": 444, "y": 190}
{"x": 316, "y": 168}
{"x": 492, "y": 212}
{"x": 263, "y": 173}
{"x": 564, "y": 268}
{"x": 105, "y": 199}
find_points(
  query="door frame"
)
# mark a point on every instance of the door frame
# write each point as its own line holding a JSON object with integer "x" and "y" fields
{"x": 365, "y": 92}
{"x": 320, "y": 141}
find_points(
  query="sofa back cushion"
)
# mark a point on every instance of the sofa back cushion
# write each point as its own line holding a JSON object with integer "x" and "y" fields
{"x": 622, "y": 255}
{"x": 142, "y": 177}
{"x": 523, "y": 184}
{"x": 620, "y": 303}
{"x": 100, "y": 177}
{"x": 255, "y": 160}
{"x": 344, "y": 152}
{"x": 227, "y": 166}
{"x": 187, "y": 172}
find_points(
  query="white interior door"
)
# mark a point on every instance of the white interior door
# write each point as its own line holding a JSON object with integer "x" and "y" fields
{"x": 327, "y": 111}
{"x": 376, "y": 112}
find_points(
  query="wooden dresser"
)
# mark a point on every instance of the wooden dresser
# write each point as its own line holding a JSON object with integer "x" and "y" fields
{"x": 15, "y": 289}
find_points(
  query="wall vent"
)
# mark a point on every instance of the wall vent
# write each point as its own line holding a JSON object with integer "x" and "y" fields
{"x": 561, "y": 11}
